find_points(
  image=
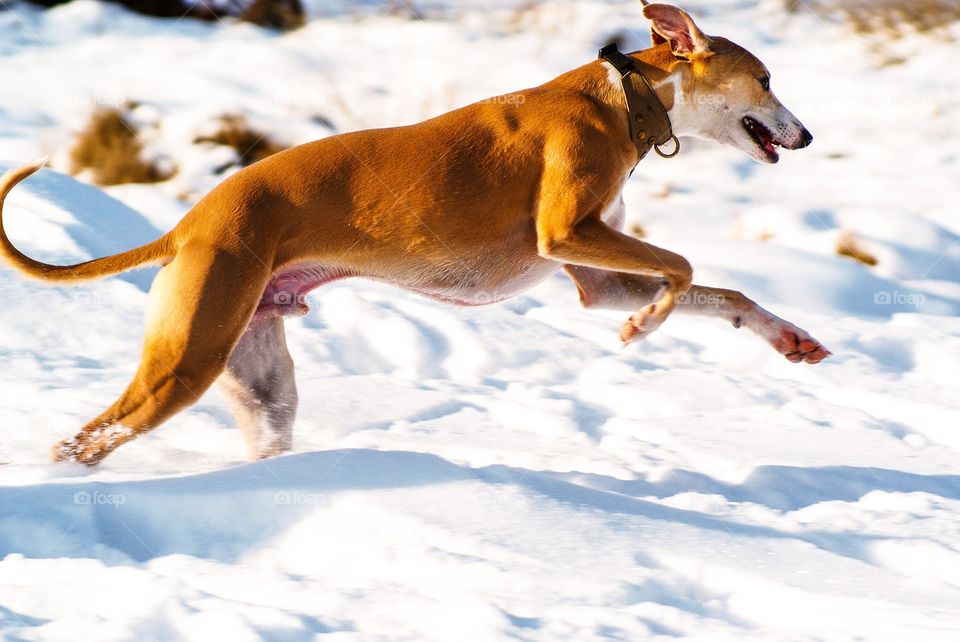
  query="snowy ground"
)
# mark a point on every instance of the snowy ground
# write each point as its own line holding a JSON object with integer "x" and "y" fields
{"x": 506, "y": 472}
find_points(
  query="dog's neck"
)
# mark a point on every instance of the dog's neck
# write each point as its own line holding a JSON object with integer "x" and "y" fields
{"x": 663, "y": 71}
{"x": 667, "y": 75}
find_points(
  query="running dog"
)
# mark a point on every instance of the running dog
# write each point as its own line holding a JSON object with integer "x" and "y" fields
{"x": 474, "y": 206}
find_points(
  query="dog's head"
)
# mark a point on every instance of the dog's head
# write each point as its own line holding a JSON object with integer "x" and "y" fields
{"x": 724, "y": 92}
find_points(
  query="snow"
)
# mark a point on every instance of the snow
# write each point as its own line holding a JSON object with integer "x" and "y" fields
{"x": 508, "y": 471}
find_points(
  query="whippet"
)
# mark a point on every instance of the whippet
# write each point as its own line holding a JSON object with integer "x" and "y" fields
{"x": 471, "y": 207}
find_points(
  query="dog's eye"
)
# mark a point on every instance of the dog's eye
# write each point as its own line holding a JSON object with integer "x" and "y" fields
{"x": 765, "y": 83}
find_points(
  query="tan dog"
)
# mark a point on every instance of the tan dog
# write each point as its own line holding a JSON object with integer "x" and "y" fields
{"x": 470, "y": 207}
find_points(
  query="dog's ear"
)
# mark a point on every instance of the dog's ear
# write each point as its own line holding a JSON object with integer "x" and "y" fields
{"x": 675, "y": 26}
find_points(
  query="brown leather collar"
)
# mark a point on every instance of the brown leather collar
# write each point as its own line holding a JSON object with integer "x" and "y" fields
{"x": 648, "y": 118}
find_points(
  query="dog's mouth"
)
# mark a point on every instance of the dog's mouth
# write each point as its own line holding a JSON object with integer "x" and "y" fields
{"x": 762, "y": 137}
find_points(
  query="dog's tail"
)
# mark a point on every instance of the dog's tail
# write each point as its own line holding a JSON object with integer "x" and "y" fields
{"x": 151, "y": 252}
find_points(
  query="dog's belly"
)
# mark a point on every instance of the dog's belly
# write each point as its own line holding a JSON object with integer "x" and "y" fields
{"x": 484, "y": 284}
{"x": 468, "y": 284}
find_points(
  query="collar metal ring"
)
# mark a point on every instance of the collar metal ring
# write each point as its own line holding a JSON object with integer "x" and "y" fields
{"x": 676, "y": 147}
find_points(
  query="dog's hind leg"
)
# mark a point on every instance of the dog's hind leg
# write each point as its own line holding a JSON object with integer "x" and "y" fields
{"x": 200, "y": 305}
{"x": 260, "y": 388}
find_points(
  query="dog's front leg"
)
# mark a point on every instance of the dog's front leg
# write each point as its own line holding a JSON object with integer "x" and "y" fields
{"x": 591, "y": 243}
{"x": 792, "y": 342}
{"x": 570, "y": 229}
{"x": 621, "y": 291}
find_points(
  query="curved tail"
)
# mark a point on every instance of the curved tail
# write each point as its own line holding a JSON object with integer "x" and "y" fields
{"x": 161, "y": 248}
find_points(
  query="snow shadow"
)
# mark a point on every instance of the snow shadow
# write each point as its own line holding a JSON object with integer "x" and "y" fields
{"x": 223, "y": 514}
{"x": 217, "y": 515}
{"x": 783, "y": 488}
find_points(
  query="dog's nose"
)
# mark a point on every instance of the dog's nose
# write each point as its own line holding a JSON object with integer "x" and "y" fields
{"x": 805, "y": 137}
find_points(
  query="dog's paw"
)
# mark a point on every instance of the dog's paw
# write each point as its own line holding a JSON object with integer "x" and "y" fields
{"x": 642, "y": 323}
{"x": 74, "y": 450}
{"x": 798, "y": 346}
